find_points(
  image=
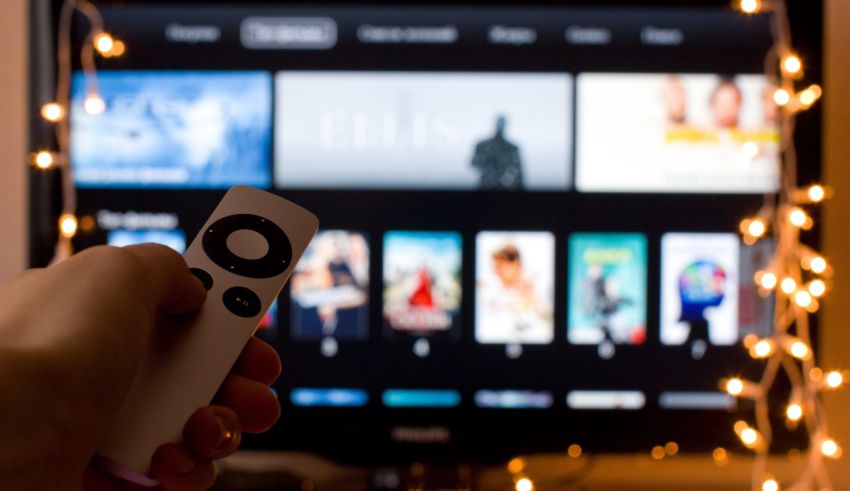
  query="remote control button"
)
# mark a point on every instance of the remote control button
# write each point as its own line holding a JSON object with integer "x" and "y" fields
{"x": 202, "y": 275}
{"x": 248, "y": 244}
{"x": 242, "y": 301}
{"x": 277, "y": 256}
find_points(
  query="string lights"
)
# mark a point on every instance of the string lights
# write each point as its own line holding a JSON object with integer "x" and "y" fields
{"x": 798, "y": 277}
{"x": 98, "y": 41}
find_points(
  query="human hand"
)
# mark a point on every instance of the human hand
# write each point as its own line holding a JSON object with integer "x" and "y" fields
{"x": 71, "y": 339}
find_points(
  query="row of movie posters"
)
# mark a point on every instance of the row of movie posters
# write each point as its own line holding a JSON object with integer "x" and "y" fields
{"x": 427, "y": 130}
{"x": 707, "y": 292}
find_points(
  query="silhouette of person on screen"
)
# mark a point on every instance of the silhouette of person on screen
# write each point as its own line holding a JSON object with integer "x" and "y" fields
{"x": 498, "y": 160}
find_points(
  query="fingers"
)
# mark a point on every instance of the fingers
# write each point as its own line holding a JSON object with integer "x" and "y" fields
{"x": 170, "y": 285}
{"x": 259, "y": 362}
{"x": 257, "y": 407}
{"x": 177, "y": 469}
{"x": 213, "y": 432}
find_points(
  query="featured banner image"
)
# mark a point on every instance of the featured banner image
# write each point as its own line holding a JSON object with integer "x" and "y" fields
{"x": 330, "y": 288}
{"x": 668, "y": 133}
{"x": 423, "y": 130}
{"x": 422, "y": 283}
{"x": 607, "y": 288}
{"x": 514, "y": 287}
{"x": 699, "y": 289}
{"x": 173, "y": 129}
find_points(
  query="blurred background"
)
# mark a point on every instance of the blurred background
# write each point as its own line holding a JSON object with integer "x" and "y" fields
{"x": 266, "y": 468}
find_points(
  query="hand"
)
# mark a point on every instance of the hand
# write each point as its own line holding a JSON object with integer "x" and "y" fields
{"x": 71, "y": 339}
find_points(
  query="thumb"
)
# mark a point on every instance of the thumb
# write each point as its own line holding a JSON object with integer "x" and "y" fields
{"x": 168, "y": 286}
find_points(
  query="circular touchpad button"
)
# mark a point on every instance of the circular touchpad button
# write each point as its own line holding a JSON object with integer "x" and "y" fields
{"x": 247, "y": 244}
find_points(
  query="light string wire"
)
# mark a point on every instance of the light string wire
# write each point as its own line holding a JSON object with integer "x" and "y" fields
{"x": 797, "y": 277}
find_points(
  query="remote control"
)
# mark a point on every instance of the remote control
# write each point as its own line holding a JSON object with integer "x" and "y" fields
{"x": 243, "y": 255}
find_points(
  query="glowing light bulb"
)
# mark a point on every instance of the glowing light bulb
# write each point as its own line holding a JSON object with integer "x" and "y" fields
{"x": 810, "y": 95}
{"x": 815, "y": 374}
{"x": 818, "y": 265}
{"x": 574, "y": 450}
{"x": 781, "y": 97}
{"x": 44, "y": 160}
{"x": 658, "y": 452}
{"x": 749, "y": 437}
{"x": 671, "y": 448}
{"x": 756, "y": 228}
{"x": 94, "y": 104}
{"x": 524, "y": 484}
{"x": 52, "y": 112}
{"x": 750, "y": 6}
{"x": 734, "y": 386}
{"x": 516, "y": 465}
{"x": 817, "y": 193}
{"x": 799, "y": 350}
{"x": 104, "y": 43}
{"x": 817, "y": 288}
{"x": 770, "y": 485}
{"x": 720, "y": 456}
{"x": 830, "y": 449}
{"x": 794, "y": 412}
{"x": 834, "y": 379}
{"x": 762, "y": 349}
{"x": 766, "y": 280}
{"x": 792, "y": 64}
{"x": 118, "y": 48}
{"x": 798, "y": 217}
{"x": 68, "y": 225}
{"x": 788, "y": 285}
{"x": 803, "y": 298}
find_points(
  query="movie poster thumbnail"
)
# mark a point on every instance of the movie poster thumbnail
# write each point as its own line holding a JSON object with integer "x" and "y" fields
{"x": 330, "y": 288}
{"x": 699, "y": 288}
{"x": 423, "y": 130}
{"x": 514, "y": 287}
{"x": 422, "y": 284}
{"x": 173, "y": 129}
{"x": 607, "y": 288}
{"x": 676, "y": 133}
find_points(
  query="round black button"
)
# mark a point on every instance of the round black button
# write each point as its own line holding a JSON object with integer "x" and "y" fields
{"x": 202, "y": 275}
{"x": 242, "y": 301}
{"x": 274, "y": 262}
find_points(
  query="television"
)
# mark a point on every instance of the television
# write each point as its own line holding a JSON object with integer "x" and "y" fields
{"x": 529, "y": 212}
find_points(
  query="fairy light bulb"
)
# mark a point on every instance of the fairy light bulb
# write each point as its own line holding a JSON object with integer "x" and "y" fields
{"x": 816, "y": 193}
{"x": 749, "y": 437}
{"x": 834, "y": 379}
{"x": 798, "y": 349}
{"x": 803, "y": 299}
{"x": 794, "y": 411}
{"x": 52, "y": 112}
{"x": 68, "y": 225}
{"x": 734, "y": 386}
{"x": 766, "y": 280}
{"x": 798, "y": 217}
{"x": 810, "y": 95}
{"x": 829, "y": 448}
{"x": 792, "y": 64}
{"x": 94, "y": 104}
{"x": 524, "y": 484}
{"x": 44, "y": 160}
{"x": 762, "y": 349}
{"x": 118, "y": 48}
{"x": 788, "y": 285}
{"x": 574, "y": 450}
{"x": 516, "y": 465}
{"x": 756, "y": 228}
{"x": 750, "y": 6}
{"x": 817, "y": 288}
{"x": 781, "y": 97}
{"x": 104, "y": 43}
{"x": 770, "y": 485}
{"x": 818, "y": 265}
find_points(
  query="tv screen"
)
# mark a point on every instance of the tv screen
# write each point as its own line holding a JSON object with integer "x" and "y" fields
{"x": 529, "y": 213}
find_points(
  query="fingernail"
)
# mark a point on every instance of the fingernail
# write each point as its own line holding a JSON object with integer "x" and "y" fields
{"x": 184, "y": 464}
{"x": 225, "y": 439}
